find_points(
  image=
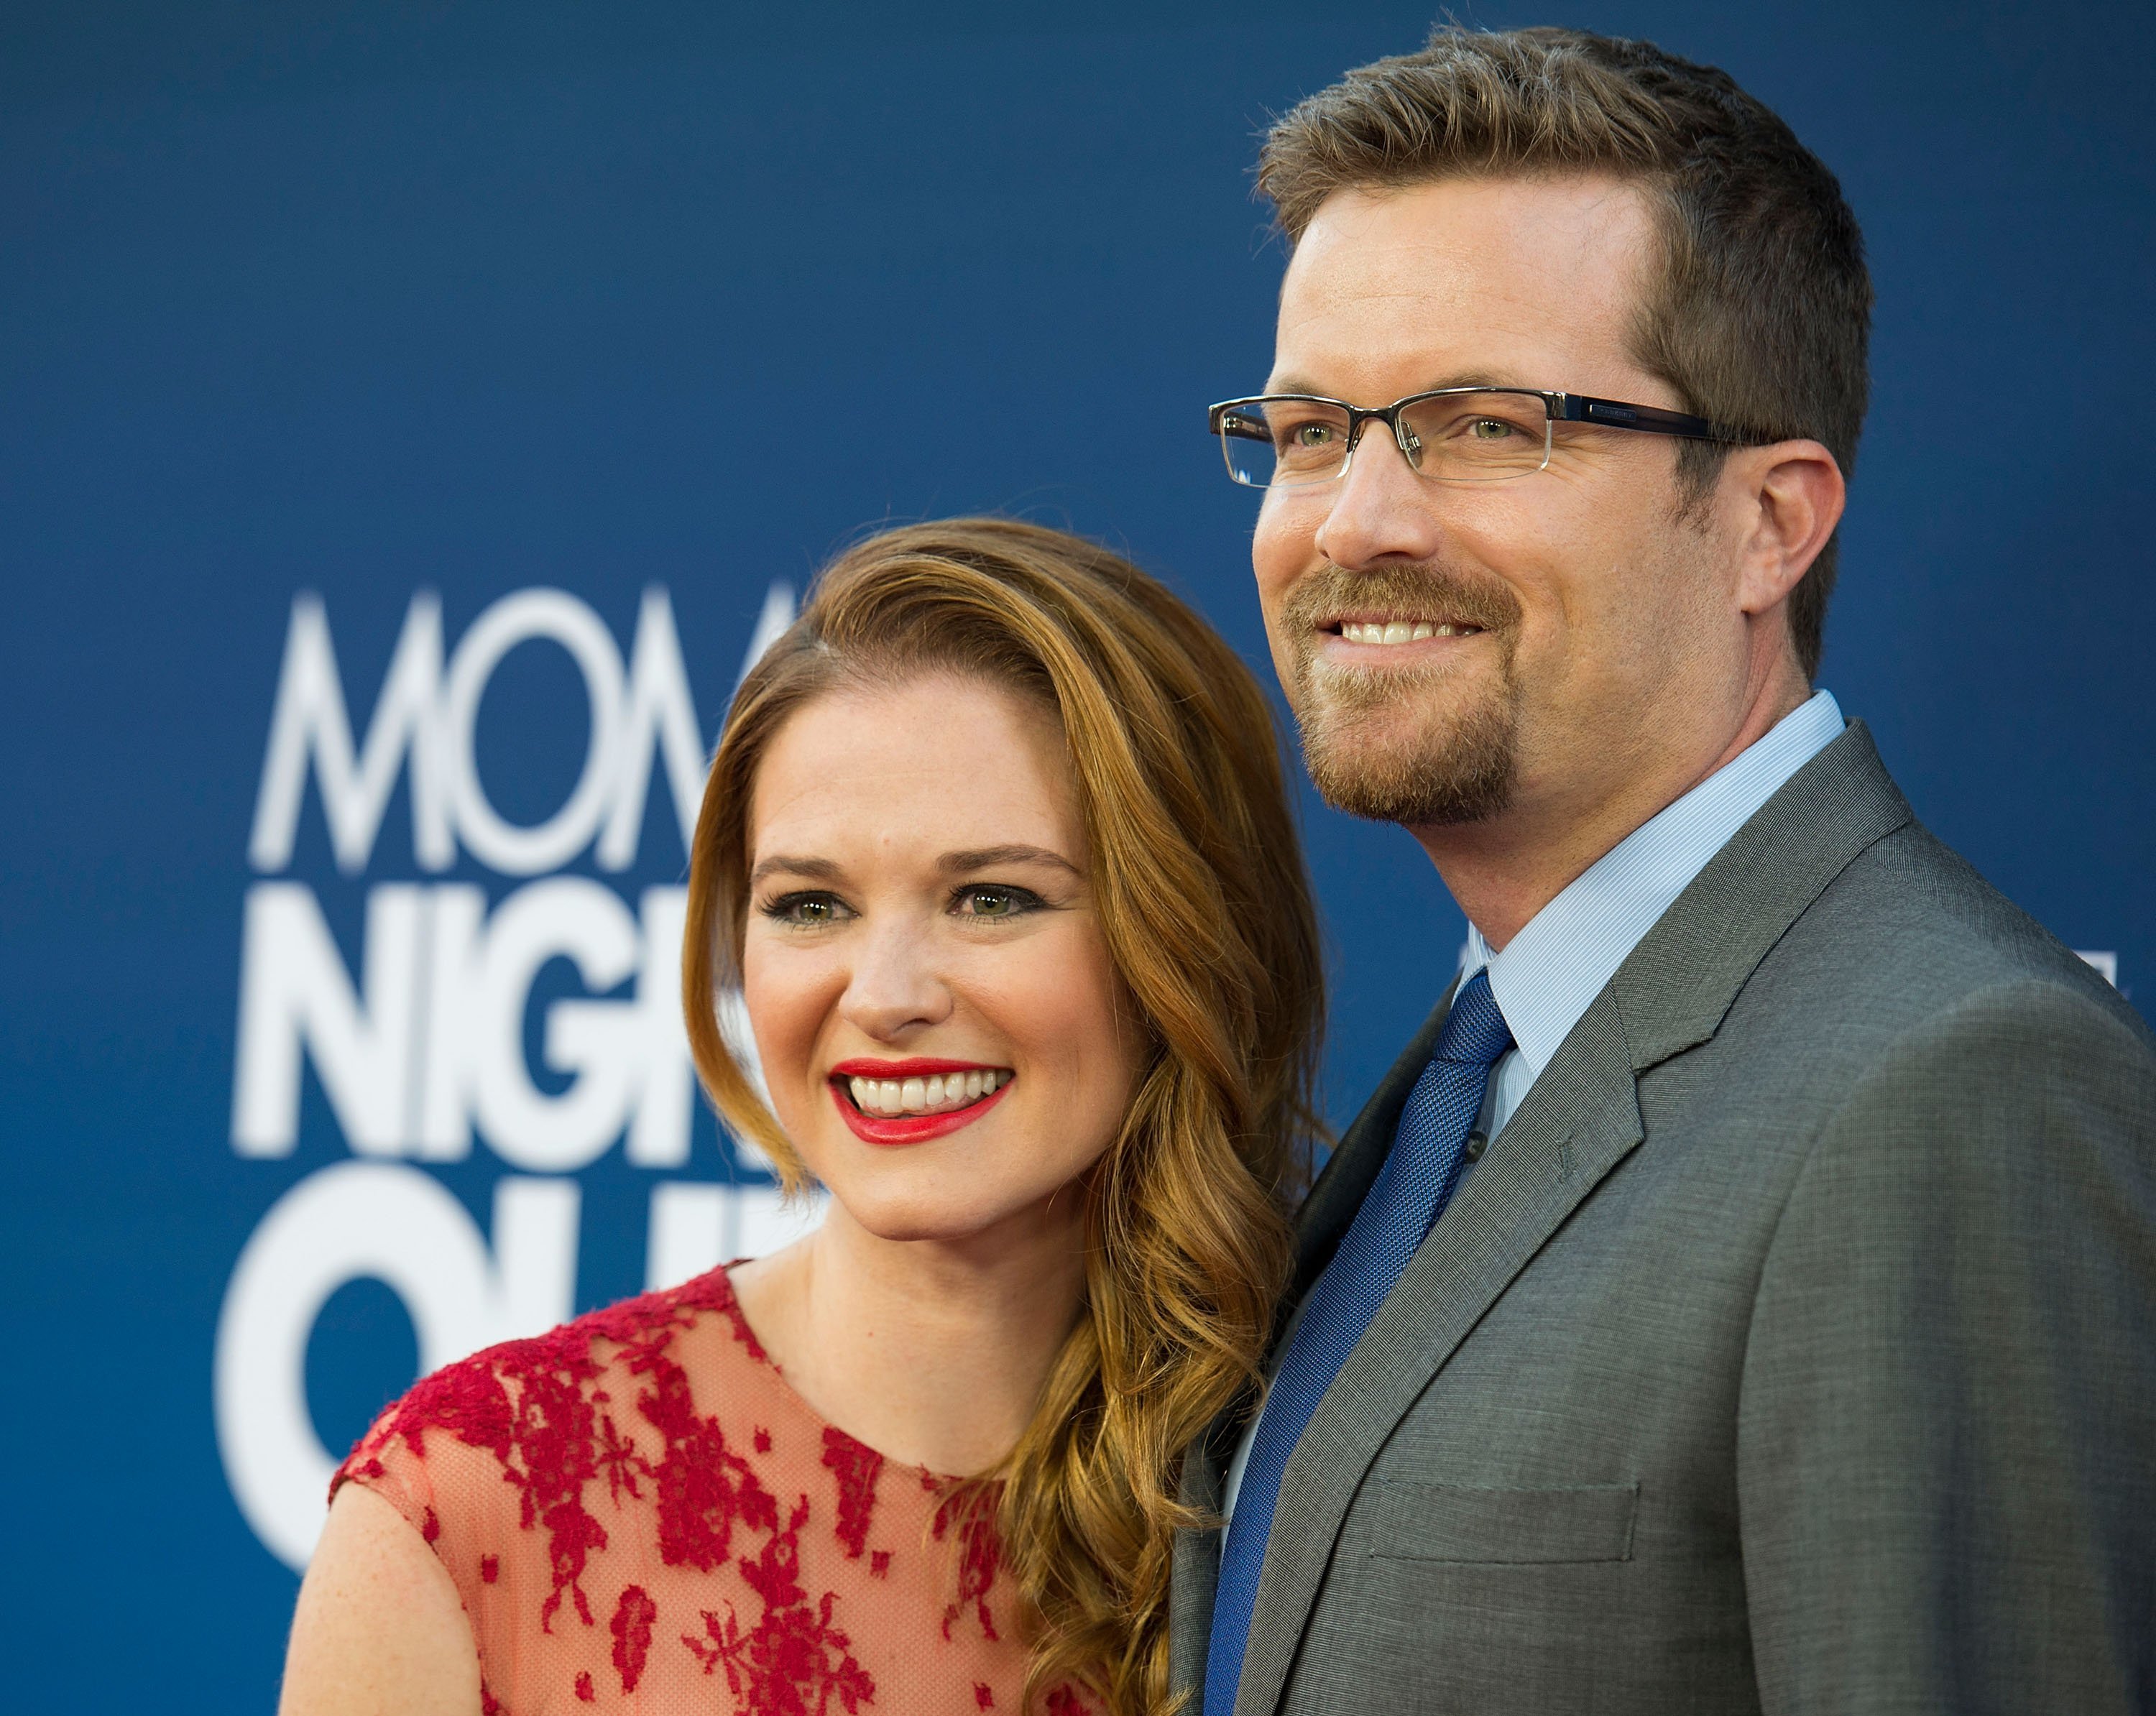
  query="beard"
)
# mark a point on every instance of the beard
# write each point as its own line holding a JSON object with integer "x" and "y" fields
{"x": 1419, "y": 747}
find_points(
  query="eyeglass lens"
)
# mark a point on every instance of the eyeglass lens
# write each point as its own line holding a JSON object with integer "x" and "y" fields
{"x": 1477, "y": 437}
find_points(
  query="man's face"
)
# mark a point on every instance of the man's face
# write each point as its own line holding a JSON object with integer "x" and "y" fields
{"x": 1573, "y": 620}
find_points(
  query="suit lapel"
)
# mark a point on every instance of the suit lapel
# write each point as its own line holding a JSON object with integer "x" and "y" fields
{"x": 1680, "y": 981}
{"x": 1580, "y": 1119}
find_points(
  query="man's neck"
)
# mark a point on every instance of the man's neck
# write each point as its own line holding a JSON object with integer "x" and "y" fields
{"x": 1503, "y": 871}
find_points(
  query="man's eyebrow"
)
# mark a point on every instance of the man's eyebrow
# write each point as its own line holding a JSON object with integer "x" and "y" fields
{"x": 780, "y": 863}
{"x": 994, "y": 857}
{"x": 1463, "y": 378}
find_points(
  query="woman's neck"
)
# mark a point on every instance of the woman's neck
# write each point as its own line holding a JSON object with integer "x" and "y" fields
{"x": 932, "y": 1353}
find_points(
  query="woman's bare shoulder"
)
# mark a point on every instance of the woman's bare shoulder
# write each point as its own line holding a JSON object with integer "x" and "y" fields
{"x": 380, "y": 1630}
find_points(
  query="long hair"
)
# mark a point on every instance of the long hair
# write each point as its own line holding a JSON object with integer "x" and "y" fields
{"x": 1203, "y": 902}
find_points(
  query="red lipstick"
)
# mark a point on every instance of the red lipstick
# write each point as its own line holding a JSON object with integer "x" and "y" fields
{"x": 908, "y": 1128}
{"x": 919, "y": 1066}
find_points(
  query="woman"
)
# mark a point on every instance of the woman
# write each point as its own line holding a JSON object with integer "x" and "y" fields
{"x": 995, "y": 849}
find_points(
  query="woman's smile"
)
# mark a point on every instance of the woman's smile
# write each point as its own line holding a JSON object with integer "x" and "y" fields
{"x": 907, "y": 1101}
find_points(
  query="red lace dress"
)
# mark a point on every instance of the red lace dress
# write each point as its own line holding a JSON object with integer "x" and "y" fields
{"x": 641, "y": 1515}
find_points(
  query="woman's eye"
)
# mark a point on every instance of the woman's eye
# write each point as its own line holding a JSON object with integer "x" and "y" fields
{"x": 995, "y": 902}
{"x": 807, "y": 911}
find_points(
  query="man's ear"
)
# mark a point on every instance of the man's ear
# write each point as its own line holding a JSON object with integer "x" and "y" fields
{"x": 1787, "y": 498}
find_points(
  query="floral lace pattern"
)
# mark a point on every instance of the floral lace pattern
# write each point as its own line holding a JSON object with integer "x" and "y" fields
{"x": 641, "y": 1515}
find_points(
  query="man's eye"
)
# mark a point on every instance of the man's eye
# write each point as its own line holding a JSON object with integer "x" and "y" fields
{"x": 1313, "y": 435}
{"x": 995, "y": 902}
{"x": 1490, "y": 429}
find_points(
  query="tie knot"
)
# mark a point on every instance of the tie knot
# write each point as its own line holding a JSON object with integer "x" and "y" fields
{"x": 1474, "y": 1032}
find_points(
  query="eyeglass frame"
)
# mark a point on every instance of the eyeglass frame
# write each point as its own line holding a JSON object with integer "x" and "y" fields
{"x": 1557, "y": 407}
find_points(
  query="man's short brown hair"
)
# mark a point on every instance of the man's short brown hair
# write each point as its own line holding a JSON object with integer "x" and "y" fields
{"x": 1760, "y": 317}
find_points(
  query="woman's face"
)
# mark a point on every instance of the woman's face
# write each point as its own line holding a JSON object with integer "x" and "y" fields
{"x": 945, "y": 1038}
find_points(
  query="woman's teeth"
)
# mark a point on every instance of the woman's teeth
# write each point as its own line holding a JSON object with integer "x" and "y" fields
{"x": 937, "y": 1095}
{"x": 1399, "y": 631}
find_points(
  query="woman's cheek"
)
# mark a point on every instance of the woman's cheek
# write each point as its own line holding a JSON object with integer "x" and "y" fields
{"x": 1038, "y": 997}
{"x": 783, "y": 1014}
{"x": 1077, "y": 1035}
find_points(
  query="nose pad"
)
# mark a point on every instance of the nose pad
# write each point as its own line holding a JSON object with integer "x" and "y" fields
{"x": 1410, "y": 443}
{"x": 1399, "y": 433}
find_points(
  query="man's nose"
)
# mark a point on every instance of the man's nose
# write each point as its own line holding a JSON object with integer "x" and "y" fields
{"x": 1381, "y": 509}
{"x": 896, "y": 985}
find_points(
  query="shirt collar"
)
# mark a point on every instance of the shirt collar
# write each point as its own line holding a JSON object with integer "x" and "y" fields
{"x": 1550, "y": 972}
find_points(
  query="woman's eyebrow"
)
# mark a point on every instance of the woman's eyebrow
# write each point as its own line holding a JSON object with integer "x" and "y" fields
{"x": 993, "y": 857}
{"x": 779, "y": 864}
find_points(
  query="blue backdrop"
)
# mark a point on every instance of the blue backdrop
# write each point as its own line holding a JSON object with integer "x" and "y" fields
{"x": 413, "y": 411}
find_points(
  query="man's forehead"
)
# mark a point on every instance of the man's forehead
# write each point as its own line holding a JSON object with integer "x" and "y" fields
{"x": 1466, "y": 272}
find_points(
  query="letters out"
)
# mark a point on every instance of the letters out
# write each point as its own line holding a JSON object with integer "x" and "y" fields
{"x": 398, "y": 1225}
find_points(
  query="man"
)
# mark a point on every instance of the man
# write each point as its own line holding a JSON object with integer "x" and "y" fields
{"x": 1742, "y": 1295}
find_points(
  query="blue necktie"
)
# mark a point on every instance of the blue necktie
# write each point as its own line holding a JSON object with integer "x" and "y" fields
{"x": 1409, "y": 1194}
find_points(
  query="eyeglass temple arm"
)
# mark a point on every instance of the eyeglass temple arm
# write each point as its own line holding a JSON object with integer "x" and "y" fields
{"x": 1229, "y": 420}
{"x": 1616, "y": 413}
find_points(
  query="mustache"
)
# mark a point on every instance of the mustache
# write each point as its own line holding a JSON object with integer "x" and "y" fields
{"x": 1426, "y": 591}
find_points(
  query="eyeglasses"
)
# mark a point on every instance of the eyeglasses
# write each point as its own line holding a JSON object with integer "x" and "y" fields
{"x": 1450, "y": 435}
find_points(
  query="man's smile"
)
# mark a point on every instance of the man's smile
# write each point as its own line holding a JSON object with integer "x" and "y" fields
{"x": 1398, "y": 631}
{"x": 1387, "y": 620}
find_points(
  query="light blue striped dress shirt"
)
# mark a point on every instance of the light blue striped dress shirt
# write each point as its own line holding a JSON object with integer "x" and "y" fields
{"x": 1550, "y": 972}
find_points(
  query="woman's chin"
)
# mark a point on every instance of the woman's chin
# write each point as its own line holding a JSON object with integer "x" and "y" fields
{"x": 917, "y": 1219}
{"x": 958, "y": 1214}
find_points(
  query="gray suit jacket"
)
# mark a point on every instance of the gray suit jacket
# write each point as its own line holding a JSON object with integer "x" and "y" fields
{"x": 1792, "y": 1349}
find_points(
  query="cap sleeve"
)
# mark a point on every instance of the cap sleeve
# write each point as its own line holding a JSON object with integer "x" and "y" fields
{"x": 440, "y": 1456}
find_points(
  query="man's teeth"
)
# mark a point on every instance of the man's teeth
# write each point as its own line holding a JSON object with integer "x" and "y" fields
{"x": 1399, "y": 631}
{"x": 936, "y": 1095}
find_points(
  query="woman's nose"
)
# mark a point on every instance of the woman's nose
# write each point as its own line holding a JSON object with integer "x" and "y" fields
{"x": 895, "y": 985}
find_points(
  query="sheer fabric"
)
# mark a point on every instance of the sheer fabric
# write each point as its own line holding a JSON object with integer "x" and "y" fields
{"x": 641, "y": 1515}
